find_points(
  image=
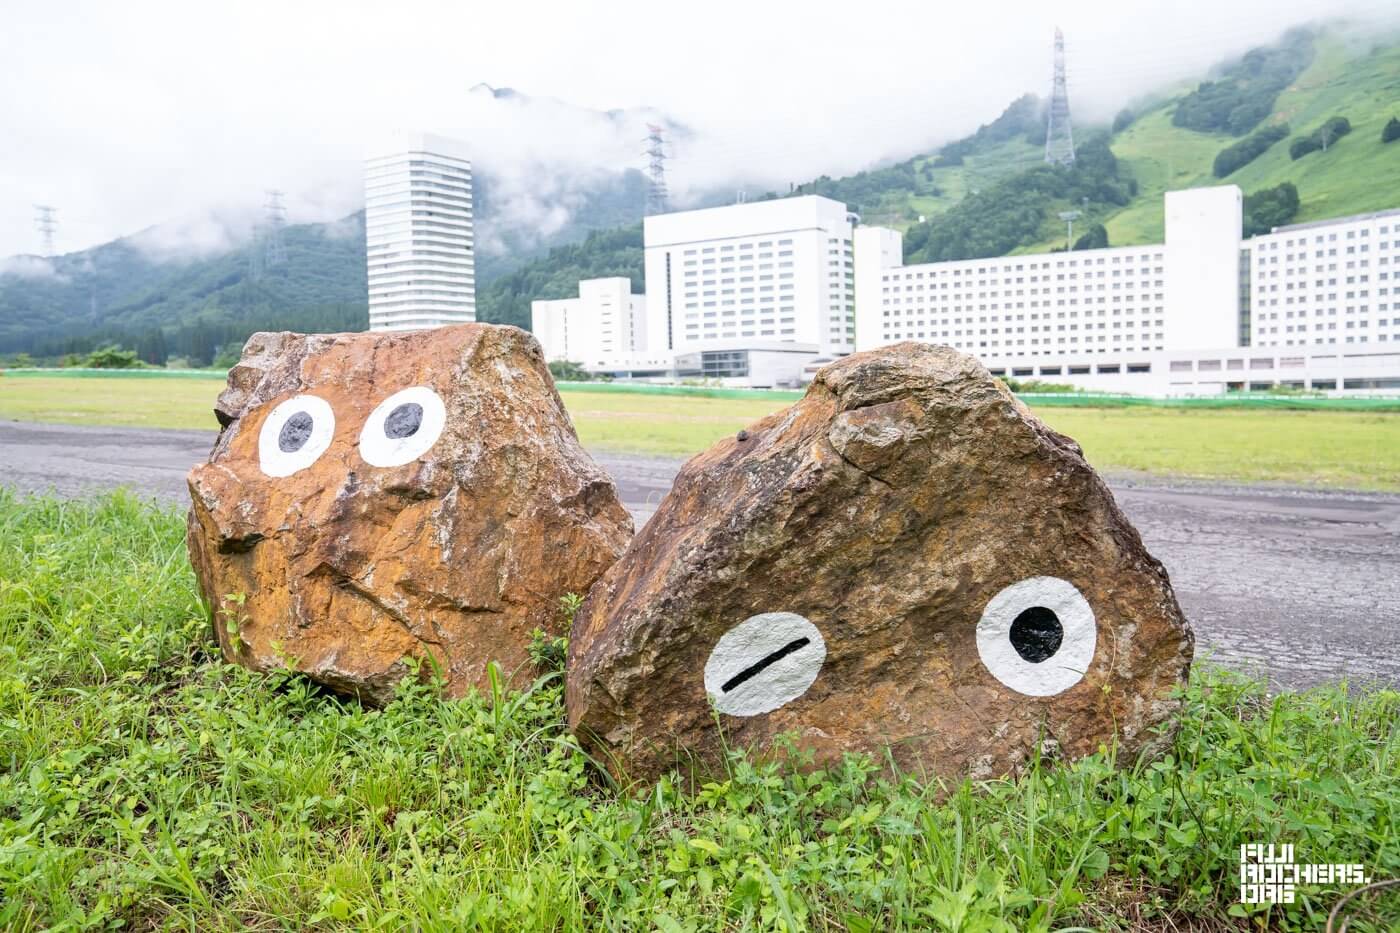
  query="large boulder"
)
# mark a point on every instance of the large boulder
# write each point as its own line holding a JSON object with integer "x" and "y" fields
{"x": 381, "y": 501}
{"x": 905, "y": 561}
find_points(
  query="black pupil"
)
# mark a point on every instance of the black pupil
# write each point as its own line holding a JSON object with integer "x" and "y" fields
{"x": 1036, "y": 634}
{"x": 404, "y": 420}
{"x": 295, "y": 432}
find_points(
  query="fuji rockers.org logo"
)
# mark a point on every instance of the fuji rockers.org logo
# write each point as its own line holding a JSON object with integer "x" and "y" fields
{"x": 1269, "y": 874}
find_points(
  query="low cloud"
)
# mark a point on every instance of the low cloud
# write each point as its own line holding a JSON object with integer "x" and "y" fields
{"x": 196, "y": 236}
{"x": 29, "y": 267}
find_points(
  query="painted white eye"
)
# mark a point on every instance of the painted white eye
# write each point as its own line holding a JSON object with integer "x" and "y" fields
{"x": 1037, "y": 636}
{"x": 765, "y": 661}
{"x": 295, "y": 435}
{"x": 403, "y": 427}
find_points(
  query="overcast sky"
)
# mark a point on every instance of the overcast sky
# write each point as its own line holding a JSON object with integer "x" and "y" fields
{"x": 124, "y": 115}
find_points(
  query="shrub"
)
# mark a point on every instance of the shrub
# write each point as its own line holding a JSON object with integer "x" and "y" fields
{"x": 1320, "y": 138}
{"x": 1233, "y": 158}
{"x": 1270, "y": 207}
{"x": 1096, "y": 237}
{"x": 1035, "y": 385}
{"x": 112, "y": 357}
{"x": 1391, "y": 131}
{"x": 568, "y": 371}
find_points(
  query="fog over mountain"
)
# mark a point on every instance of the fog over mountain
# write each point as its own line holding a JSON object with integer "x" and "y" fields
{"x": 173, "y": 118}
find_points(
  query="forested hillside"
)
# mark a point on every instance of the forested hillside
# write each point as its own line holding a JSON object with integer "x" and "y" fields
{"x": 118, "y": 293}
{"x": 602, "y": 254}
{"x": 164, "y": 306}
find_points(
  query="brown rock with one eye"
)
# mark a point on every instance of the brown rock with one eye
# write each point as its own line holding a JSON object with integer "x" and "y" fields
{"x": 905, "y": 563}
{"x": 379, "y": 500}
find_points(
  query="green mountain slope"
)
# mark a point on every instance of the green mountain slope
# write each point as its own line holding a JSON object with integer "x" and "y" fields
{"x": 1356, "y": 175}
{"x": 929, "y": 184}
{"x": 120, "y": 293}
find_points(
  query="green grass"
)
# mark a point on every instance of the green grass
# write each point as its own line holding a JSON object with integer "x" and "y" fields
{"x": 111, "y": 400}
{"x": 1348, "y": 450}
{"x": 659, "y": 424}
{"x": 145, "y": 783}
{"x": 1353, "y": 450}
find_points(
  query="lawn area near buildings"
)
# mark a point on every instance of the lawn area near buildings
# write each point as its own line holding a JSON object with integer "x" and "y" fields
{"x": 1341, "y": 449}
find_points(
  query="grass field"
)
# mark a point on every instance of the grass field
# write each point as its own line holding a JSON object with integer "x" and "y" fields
{"x": 146, "y": 783}
{"x": 1339, "y": 449}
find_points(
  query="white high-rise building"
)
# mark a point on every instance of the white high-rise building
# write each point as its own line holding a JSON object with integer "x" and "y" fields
{"x": 751, "y": 291}
{"x": 603, "y": 329}
{"x": 418, "y": 232}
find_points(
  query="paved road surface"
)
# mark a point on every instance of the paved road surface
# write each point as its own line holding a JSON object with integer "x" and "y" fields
{"x": 1301, "y": 585}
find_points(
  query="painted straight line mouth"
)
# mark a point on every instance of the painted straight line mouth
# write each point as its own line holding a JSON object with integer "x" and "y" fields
{"x": 758, "y": 667}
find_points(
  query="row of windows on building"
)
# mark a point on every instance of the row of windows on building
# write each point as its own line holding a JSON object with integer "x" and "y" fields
{"x": 390, "y": 303}
{"x": 970, "y": 287}
{"x": 736, "y": 247}
{"x": 410, "y": 266}
{"x": 388, "y": 251}
{"x": 1288, "y": 242}
{"x": 399, "y": 201}
{"x": 1020, "y": 347}
{"x": 960, "y": 296}
{"x": 994, "y": 267}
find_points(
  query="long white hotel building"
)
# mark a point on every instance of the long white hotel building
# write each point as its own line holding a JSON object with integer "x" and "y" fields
{"x": 1306, "y": 306}
{"x": 418, "y": 232}
{"x": 761, "y": 294}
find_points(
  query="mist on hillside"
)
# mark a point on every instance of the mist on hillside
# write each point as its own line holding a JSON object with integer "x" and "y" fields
{"x": 548, "y": 164}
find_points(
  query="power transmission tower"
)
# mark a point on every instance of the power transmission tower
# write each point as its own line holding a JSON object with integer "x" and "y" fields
{"x": 1059, "y": 135}
{"x": 274, "y": 249}
{"x": 46, "y": 223}
{"x": 656, "y": 171}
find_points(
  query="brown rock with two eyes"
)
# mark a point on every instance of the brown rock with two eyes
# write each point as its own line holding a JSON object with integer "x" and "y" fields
{"x": 380, "y": 502}
{"x": 905, "y": 563}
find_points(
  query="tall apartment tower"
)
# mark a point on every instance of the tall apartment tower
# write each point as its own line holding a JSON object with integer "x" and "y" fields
{"x": 418, "y": 232}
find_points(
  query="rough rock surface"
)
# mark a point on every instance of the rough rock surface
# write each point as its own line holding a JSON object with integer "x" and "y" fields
{"x": 908, "y": 559}
{"x": 378, "y": 498}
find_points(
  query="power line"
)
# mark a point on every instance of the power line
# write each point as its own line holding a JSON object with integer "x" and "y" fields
{"x": 46, "y": 223}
